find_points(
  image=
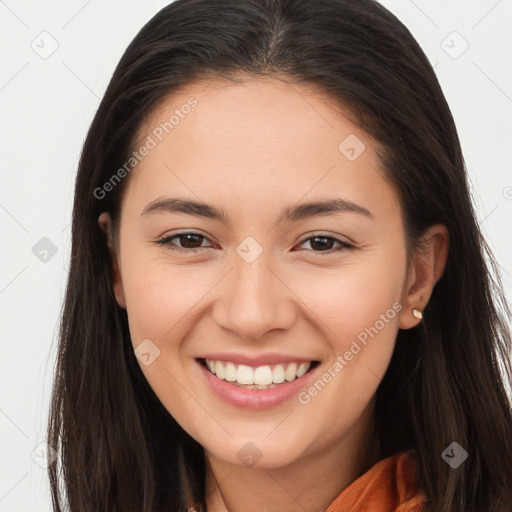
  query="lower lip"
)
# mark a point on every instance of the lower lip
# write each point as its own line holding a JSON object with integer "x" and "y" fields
{"x": 255, "y": 398}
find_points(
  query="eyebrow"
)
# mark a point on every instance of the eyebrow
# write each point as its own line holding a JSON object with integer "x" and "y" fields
{"x": 289, "y": 214}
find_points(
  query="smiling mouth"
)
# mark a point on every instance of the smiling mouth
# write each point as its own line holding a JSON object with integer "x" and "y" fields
{"x": 260, "y": 377}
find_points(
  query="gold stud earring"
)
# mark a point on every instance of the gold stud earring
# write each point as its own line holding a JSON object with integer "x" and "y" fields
{"x": 417, "y": 313}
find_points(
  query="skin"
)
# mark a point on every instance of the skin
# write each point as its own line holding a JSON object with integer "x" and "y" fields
{"x": 253, "y": 149}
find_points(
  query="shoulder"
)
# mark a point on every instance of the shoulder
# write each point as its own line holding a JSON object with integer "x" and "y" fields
{"x": 389, "y": 485}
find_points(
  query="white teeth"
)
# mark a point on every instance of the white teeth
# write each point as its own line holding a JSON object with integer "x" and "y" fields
{"x": 231, "y": 372}
{"x": 278, "y": 374}
{"x": 257, "y": 386}
{"x": 262, "y": 377}
{"x": 244, "y": 374}
{"x": 219, "y": 370}
{"x": 291, "y": 372}
{"x": 302, "y": 369}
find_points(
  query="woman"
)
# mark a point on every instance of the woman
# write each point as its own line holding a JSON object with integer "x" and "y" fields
{"x": 278, "y": 296}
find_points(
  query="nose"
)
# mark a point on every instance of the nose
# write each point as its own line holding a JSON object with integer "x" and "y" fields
{"x": 254, "y": 300}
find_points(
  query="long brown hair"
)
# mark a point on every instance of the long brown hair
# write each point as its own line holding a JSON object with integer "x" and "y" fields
{"x": 449, "y": 377}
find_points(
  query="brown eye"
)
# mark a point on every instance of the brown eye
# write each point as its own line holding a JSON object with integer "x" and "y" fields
{"x": 188, "y": 242}
{"x": 320, "y": 243}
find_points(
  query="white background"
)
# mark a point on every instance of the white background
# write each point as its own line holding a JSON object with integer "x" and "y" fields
{"x": 46, "y": 108}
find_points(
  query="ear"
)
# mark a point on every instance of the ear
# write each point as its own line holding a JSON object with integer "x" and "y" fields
{"x": 426, "y": 268}
{"x": 105, "y": 222}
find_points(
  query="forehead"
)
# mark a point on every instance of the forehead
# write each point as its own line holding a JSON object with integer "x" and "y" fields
{"x": 241, "y": 110}
{"x": 256, "y": 138}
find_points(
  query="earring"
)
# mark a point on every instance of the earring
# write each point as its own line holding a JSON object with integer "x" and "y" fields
{"x": 417, "y": 313}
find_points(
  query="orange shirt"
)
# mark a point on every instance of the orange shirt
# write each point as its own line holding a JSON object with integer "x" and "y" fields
{"x": 388, "y": 486}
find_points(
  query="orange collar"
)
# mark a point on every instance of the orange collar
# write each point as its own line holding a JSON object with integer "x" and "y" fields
{"x": 389, "y": 486}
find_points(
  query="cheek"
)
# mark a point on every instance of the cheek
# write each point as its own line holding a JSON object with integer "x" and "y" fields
{"x": 357, "y": 307}
{"x": 354, "y": 297}
{"x": 160, "y": 298}
{"x": 163, "y": 304}
{"x": 359, "y": 313}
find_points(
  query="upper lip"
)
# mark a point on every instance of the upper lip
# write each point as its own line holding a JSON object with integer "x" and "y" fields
{"x": 256, "y": 360}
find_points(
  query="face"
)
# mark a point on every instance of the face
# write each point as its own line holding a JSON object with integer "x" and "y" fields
{"x": 256, "y": 278}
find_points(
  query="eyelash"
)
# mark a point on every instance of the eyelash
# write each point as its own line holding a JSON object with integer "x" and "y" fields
{"x": 165, "y": 241}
